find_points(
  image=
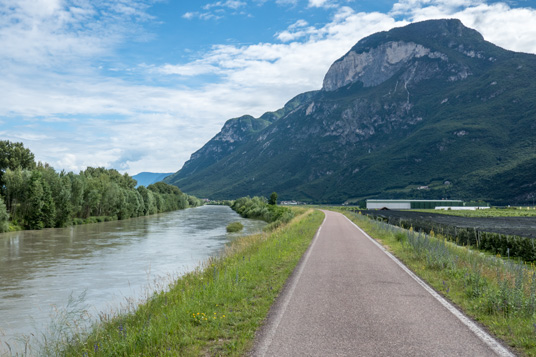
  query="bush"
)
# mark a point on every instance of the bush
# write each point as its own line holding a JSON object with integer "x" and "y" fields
{"x": 234, "y": 227}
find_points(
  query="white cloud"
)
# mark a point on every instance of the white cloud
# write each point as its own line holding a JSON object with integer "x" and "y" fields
{"x": 232, "y": 4}
{"x": 49, "y": 82}
{"x": 190, "y": 15}
{"x": 190, "y": 69}
{"x": 323, "y": 3}
{"x": 216, "y": 10}
{"x": 510, "y": 28}
{"x": 296, "y": 31}
{"x": 287, "y": 2}
{"x": 405, "y": 7}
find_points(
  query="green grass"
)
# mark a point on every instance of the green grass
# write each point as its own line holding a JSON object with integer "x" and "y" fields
{"x": 214, "y": 310}
{"x": 498, "y": 293}
{"x": 491, "y": 212}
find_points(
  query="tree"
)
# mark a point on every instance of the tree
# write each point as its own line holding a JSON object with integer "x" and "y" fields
{"x": 273, "y": 199}
{"x": 16, "y": 189}
{"x": 13, "y": 156}
{"x": 4, "y": 217}
{"x": 34, "y": 203}
{"x": 48, "y": 210}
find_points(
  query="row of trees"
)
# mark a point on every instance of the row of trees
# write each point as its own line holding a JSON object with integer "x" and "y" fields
{"x": 35, "y": 196}
{"x": 261, "y": 208}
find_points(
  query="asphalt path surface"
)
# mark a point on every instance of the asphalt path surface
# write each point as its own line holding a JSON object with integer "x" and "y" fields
{"x": 347, "y": 297}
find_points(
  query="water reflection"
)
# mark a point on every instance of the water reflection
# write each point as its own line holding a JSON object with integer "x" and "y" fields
{"x": 108, "y": 261}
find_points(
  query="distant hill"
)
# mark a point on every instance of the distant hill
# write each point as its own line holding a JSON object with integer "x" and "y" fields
{"x": 429, "y": 110}
{"x": 148, "y": 178}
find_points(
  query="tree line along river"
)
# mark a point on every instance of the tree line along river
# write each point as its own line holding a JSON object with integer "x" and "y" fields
{"x": 103, "y": 266}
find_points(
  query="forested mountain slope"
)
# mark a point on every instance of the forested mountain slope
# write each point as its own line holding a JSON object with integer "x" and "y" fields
{"x": 430, "y": 110}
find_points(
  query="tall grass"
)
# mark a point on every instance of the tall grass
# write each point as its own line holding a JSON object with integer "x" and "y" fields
{"x": 498, "y": 292}
{"x": 214, "y": 310}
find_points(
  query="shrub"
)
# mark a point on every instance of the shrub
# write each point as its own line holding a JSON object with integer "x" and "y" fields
{"x": 234, "y": 227}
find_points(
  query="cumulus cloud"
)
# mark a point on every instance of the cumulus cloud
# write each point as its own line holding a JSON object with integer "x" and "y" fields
{"x": 510, "y": 28}
{"x": 407, "y": 7}
{"x": 322, "y": 3}
{"x": 51, "y": 33}
{"x": 72, "y": 115}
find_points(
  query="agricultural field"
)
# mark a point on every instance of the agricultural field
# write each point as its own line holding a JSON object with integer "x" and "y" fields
{"x": 491, "y": 212}
{"x": 491, "y": 220}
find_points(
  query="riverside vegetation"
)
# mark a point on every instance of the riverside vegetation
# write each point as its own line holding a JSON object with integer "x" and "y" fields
{"x": 214, "y": 310}
{"x": 497, "y": 292}
{"x": 260, "y": 208}
{"x": 234, "y": 227}
{"x": 35, "y": 196}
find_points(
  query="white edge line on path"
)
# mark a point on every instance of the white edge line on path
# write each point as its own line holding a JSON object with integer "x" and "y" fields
{"x": 483, "y": 335}
{"x": 267, "y": 341}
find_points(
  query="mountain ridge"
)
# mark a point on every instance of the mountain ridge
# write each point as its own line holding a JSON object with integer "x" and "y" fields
{"x": 425, "y": 104}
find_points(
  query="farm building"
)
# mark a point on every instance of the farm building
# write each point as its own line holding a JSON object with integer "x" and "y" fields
{"x": 412, "y": 204}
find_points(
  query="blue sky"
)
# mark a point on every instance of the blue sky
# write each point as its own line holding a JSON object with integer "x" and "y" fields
{"x": 139, "y": 85}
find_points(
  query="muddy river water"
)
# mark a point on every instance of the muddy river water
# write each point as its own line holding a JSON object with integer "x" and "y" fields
{"x": 102, "y": 266}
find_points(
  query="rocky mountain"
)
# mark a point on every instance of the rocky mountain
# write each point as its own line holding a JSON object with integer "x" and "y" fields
{"x": 429, "y": 110}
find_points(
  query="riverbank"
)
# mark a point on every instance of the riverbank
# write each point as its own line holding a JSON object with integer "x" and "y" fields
{"x": 211, "y": 311}
{"x": 103, "y": 267}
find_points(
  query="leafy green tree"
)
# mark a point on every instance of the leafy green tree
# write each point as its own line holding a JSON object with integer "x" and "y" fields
{"x": 78, "y": 187}
{"x": 62, "y": 199}
{"x": 34, "y": 203}
{"x": 41, "y": 197}
{"x": 48, "y": 209}
{"x": 162, "y": 187}
{"x": 273, "y": 199}
{"x": 13, "y": 156}
{"x": 149, "y": 202}
{"x": 57, "y": 191}
{"x": 4, "y": 217}
{"x": 16, "y": 189}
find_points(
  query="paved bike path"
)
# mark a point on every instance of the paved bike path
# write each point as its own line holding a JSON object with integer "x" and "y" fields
{"x": 348, "y": 298}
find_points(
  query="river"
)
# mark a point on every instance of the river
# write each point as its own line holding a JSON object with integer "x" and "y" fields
{"x": 103, "y": 267}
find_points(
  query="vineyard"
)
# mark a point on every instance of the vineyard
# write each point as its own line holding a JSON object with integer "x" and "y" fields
{"x": 507, "y": 236}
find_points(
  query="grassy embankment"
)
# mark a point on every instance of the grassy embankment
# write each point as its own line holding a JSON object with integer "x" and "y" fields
{"x": 499, "y": 293}
{"x": 214, "y": 310}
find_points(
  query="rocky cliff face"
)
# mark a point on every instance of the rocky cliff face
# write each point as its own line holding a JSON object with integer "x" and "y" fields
{"x": 420, "y": 105}
{"x": 379, "y": 64}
